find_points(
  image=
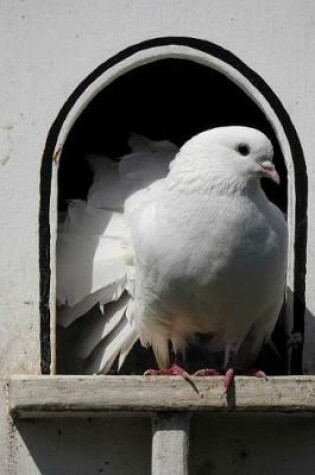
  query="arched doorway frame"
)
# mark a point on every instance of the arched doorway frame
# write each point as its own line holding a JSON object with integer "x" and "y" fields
{"x": 225, "y": 62}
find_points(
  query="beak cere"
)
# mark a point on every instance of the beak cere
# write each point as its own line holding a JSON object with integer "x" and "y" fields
{"x": 269, "y": 171}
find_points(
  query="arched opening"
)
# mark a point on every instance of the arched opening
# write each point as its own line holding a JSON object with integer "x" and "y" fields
{"x": 163, "y": 98}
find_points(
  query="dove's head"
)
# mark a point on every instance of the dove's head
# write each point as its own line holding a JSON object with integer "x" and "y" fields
{"x": 232, "y": 155}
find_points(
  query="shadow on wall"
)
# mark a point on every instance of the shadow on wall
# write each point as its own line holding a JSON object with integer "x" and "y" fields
{"x": 250, "y": 445}
{"x": 84, "y": 446}
{"x": 220, "y": 444}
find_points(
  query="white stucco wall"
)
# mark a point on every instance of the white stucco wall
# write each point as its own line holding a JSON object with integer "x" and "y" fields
{"x": 47, "y": 48}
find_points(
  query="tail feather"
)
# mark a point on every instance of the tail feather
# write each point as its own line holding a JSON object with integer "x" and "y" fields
{"x": 101, "y": 327}
{"x": 68, "y": 314}
{"x": 95, "y": 254}
{"x": 124, "y": 336}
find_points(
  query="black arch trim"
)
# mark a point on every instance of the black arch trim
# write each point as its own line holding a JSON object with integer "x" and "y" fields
{"x": 301, "y": 183}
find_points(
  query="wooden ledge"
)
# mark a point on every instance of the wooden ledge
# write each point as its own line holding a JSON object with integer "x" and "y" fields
{"x": 39, "y": 396}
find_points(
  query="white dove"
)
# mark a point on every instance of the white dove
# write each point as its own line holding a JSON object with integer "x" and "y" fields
{"x": 208, "y": 251}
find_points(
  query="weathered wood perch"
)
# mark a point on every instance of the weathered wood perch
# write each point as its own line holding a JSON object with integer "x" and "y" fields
{"x": 38, "y": 396}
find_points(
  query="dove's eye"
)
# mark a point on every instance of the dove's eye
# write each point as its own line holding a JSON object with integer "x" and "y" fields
{"x": 243, "y": 149}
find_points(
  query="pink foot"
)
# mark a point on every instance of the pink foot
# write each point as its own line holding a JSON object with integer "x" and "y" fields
{"x": 257, "y": 373}
{"x": 206, "y": 372}
{"x": 230, "y": 375}
{"x": 174, "y": 370}
{"x": 228, "y": 380}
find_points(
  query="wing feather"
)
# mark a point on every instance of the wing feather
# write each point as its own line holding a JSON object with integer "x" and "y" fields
{"x": 95, "y": 255}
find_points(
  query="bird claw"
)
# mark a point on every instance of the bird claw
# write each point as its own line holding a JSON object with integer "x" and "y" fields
{"x": 206, "y": 372}
{"x": 174, "y": 370}
{"x": 228, "y": 379}
{"x": 257, "y": 373}
{"x": 230, "y": 375}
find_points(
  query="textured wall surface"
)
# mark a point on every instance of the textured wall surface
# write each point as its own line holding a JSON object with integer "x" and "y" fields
{"x": 251, "y": 444}
{"x": 47, "y": 48}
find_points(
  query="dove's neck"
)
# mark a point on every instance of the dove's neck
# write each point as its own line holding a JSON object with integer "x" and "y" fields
{"x": 207, "y": 178}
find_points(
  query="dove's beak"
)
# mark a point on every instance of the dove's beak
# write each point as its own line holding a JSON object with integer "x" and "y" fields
{"x": 269, "y": 171}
